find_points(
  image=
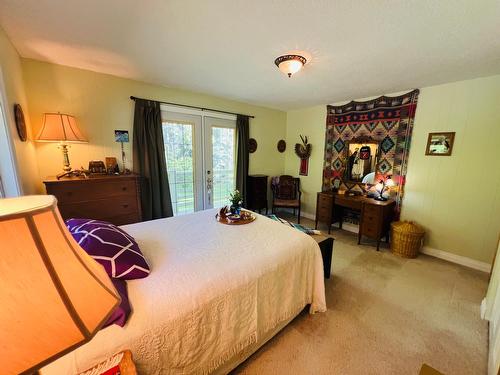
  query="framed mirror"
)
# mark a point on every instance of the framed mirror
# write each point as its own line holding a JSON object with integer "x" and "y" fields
{"x": 361, "y": 161}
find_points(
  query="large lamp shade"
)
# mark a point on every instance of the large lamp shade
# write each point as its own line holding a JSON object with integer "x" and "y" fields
{"x": 59, "y": 127}
{"x": 62, "y": 128}
{"x": 53, "y": 296}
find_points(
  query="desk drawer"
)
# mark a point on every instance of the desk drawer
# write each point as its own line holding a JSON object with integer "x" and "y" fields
{"x": 325, "y": 200}
{"x": 324, "y": 214}
{"x": 373, "y": 209}
{"x": 324, "y": 207}
{"x": 370, "y": 231}
{"x": 351, "y": 203}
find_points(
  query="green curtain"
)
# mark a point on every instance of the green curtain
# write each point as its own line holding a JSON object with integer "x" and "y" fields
{"x": 149, "y": 160}
{"x": 242, "y": 134}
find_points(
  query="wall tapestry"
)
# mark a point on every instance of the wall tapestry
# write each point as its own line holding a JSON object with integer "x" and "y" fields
{"x": 386, "y": 120}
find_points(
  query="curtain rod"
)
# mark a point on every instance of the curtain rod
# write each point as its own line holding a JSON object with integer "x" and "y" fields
{"x": 192, "y": 106}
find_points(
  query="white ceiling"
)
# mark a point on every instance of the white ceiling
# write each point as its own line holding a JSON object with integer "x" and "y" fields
{"x": 227, "y": 47}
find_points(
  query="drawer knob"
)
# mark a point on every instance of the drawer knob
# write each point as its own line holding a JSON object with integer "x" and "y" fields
{"x": 125, "y": 205}
{"x": 124, "y": 188}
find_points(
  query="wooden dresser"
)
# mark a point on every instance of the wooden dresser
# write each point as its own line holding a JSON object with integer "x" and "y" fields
{"x": 375, "y": 216}
{"x": 257, "y": 192}
{"x": 110, "y": 198}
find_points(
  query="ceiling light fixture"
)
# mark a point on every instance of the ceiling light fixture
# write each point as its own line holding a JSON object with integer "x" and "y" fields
{"x": 290, "y": 64}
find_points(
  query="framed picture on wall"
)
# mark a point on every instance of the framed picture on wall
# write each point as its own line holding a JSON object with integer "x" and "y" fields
{"x": 440, "y": 144}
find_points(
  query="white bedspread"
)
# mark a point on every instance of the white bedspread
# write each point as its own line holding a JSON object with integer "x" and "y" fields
{"x": 214, "y": 290}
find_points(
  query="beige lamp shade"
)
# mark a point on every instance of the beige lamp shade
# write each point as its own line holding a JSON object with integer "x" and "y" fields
{"x": 53, "y": 296}
{"x": 59, "y": 127}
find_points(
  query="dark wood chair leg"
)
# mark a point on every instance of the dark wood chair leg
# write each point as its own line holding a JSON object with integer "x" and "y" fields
{"x": 298, "y": 216}
{"x": 359, "y": 238}
{"x": 378, "y": 244}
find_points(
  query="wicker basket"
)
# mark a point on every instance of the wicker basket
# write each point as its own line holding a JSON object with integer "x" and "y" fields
{"x": 407, "y": 238}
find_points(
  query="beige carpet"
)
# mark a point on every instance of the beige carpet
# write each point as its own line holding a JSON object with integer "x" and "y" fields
{"x": 386, "y": 315}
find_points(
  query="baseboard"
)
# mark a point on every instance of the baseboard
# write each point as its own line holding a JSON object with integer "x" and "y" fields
{"x": 458, "y": 259}
{"x": 346, "y": 226}
{"x": 307, "y": 215}
{"x": 450, "y": 257}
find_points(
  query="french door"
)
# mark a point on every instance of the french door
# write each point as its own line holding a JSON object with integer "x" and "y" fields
{"x": 200, "y": 152}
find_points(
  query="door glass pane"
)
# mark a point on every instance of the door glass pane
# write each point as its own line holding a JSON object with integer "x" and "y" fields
{"x": 223, "y": 164}
{"x": 178, "y": 140}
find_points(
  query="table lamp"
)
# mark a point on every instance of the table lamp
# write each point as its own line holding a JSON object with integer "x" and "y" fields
{"x": 382, "y": 186}
{"x": 62, "y": 128}
{"x": 54, "y": 297}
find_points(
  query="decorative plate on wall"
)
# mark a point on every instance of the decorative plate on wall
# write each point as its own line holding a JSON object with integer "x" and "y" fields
{"x": 281, "y": 145}
{"x": 252, "y": 145}
{"x": 20, "y": 123}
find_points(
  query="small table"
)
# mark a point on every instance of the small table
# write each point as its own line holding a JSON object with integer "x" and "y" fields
{"x": 326, "y": 246}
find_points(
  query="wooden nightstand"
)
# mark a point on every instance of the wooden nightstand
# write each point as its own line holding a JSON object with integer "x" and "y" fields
{"x": 257, "y": 192}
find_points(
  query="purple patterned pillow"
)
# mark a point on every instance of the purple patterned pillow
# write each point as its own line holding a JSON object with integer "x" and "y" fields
{"x": 121, "y": 313}
{"x": 110, "y": 246}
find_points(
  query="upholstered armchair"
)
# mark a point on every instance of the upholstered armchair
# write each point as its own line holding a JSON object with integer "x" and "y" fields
{"x": 286, "y": 193}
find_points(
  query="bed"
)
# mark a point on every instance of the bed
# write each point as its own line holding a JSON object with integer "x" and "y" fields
{"x": 215, "y": 294}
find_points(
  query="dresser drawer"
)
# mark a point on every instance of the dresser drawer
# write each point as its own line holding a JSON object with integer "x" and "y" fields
{"x": 92, "y": 190}
{"x": 123, "y": 219}
{"x": 115, "y": 206}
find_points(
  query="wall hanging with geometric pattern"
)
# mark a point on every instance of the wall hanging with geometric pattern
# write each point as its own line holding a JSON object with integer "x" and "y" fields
{"x": 303, "y": 151}
{"x": 386, "y": 120}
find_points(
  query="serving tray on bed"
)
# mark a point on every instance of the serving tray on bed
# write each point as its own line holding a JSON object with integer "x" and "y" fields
{"x": 246, "y": 217}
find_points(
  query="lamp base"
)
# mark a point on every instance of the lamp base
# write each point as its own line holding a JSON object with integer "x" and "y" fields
{"x": 66, "y": 165}
{"x": 380, "y": 198}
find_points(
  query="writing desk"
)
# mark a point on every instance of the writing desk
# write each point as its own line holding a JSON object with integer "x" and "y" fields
{"x": 375, "y": 216}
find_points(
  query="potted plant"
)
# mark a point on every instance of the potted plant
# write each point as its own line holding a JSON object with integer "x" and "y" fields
{"x": 236, "y": 202}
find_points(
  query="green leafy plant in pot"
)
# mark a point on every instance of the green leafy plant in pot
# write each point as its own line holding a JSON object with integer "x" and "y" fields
{"x": 236, "y": 202}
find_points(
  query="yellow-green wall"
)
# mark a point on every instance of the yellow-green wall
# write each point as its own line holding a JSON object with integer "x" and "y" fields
{"x": 101, "y": 103}
{"x": 310, "y": 122}
{"x": 10, "y": 64}
{"x": 456, "y": 198}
